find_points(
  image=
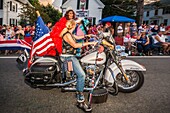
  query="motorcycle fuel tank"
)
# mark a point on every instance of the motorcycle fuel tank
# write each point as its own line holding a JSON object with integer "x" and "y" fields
{"x": 91, "y": 58}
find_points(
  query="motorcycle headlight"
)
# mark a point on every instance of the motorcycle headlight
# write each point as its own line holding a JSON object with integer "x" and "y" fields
{"x": 120, "y": 48}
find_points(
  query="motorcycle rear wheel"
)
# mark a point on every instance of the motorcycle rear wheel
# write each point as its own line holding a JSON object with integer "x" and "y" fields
{"x": 136, "y": 79}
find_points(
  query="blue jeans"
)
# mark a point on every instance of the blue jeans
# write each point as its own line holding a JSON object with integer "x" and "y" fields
{"x": 79, "y": 72}
{"x": 143, "y": 48}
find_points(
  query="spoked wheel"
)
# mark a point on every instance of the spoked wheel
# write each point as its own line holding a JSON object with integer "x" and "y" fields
{"x": 136, "y": 81}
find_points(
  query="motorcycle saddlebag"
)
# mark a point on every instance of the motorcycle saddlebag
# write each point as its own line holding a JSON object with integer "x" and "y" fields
{"x": 99, "y": 96}
{"x": 41, "y": 73}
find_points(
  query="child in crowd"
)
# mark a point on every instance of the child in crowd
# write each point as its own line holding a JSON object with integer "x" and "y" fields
{"x": 119, "y": 40}
{"x": 27, "y": 33}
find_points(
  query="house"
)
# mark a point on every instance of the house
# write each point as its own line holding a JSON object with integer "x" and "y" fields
{"x": 9, "y": 11}
{"x": 58, "y": 3}
{"x": 157, "y": 15}
{"x": 91, "y": 9}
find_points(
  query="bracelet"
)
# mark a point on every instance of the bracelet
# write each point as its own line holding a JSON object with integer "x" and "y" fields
{"x": 82, "y": 44}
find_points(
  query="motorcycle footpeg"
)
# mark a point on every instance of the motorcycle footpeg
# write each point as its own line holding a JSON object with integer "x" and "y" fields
{"x": 84, "y": 107}
{"x": 63, "y": 90}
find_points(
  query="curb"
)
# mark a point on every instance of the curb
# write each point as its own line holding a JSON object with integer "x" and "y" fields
{"x": 141, "y": 57}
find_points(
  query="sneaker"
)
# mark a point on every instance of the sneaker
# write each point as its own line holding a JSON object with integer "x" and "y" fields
{"x": 78, "y": 54}
{"x": 150, "y": 53}
{"x": 160, "y": 54}
{"x": 140, "y": 54}
{"x": 84, "y": 107}
{"x": 80, "y": 97}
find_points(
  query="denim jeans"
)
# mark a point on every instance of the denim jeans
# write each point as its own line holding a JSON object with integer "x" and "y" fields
{"x": 144, "y": 48}
{"x": 79, "y": 72}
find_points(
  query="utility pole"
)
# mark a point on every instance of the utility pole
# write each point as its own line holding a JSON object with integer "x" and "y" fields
{"x": 7, "y": 13}
{"x": 140, "y": 7}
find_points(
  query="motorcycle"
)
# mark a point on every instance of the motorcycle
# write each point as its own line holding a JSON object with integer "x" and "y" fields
{"x": 106, "y": 69}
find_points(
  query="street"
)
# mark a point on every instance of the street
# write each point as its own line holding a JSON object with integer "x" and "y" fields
{"x": 153, "y": 97}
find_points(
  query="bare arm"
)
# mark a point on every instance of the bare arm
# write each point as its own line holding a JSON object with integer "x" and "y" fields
{"x": 80, "y": 37}
{"x": 147, "y": 42}
{"x": 157, "y": 38}
{"x": 12, "y": 34}
{"x": 68, "y": 38}
{"x": 38, "y": 14}
{"x": 138, "y": 37}
{"x": 22, "y": 32}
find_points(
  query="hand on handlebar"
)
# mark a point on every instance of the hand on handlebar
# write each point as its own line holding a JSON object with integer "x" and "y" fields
{"x": 108, "y": 44}
{"x": 93, "y": 43}
{"x": 90, "y": 35}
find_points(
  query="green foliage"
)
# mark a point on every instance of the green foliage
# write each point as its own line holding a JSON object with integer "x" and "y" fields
{"x": 27, "y": 15}
{"x": 48, "y": 13}
{"x": 119, "y": 7}
{"x": 52, "y": 13}
{"x": 33, "y": 2}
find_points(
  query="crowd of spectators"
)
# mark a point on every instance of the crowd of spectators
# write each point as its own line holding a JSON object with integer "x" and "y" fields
{"x": 141, "y": 40}
{"x": 18, "y": 32}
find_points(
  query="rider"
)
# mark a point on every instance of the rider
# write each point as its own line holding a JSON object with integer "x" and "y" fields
{"x": 59, "y": 26}
{"x": 68, "y": 40}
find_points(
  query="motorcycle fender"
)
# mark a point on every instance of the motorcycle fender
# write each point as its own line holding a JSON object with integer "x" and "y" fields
{"x": 44, "y": 59}
{"x": 127, "y": 65}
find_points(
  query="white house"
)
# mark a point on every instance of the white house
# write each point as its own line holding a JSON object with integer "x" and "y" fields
{"x": 157, "y": 16}
{"x": 57, "y": 4}
{"x": 91, "y": 9}
{"x": 9, "y": 11}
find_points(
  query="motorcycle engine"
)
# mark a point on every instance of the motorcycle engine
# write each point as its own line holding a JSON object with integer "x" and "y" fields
{"x": 90, "y": 71}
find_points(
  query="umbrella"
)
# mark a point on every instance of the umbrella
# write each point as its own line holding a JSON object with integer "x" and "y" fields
{"x": 117, "y": 19}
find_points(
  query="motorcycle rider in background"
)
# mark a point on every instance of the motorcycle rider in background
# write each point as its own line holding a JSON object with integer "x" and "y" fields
{"x": 69, "y": 45}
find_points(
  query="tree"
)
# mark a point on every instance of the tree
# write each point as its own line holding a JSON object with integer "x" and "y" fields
{"x": 33, "y": 2}
{"x": 48, "y": 13}
{"x": 139, "y": 17}
{"x": 27, "y": 15}
{"x": 54, "y": 14}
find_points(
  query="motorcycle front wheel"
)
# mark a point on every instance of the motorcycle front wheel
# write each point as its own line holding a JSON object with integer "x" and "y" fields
{"x": 136, "y": 81}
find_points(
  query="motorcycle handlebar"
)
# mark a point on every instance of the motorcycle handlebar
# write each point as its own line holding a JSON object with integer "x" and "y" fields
{"x": 100, "y": 40}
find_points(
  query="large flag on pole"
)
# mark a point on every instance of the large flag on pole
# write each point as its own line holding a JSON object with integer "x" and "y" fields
{"x": 42, "y": 42}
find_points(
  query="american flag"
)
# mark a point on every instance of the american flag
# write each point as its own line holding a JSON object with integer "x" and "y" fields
{"x": 14, "y": 45}
{"x": 42, "y": 42}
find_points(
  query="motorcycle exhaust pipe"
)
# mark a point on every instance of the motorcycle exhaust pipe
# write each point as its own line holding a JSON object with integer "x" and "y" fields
{"x": 58, "y": 84}
{"x": 74, "y": 89}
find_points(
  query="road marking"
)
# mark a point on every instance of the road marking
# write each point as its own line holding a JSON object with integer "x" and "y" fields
{"x": 148, "y": 57}
{"x": 8, "y": 56}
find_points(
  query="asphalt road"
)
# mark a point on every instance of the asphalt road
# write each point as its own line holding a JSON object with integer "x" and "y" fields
{"x": 153, "y": 97}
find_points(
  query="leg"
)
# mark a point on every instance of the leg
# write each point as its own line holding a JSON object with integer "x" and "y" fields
{"x": 139, "y": 48}
{"x": 80, "y": 84}
{"x": 165, "y": 47}
{"x": 146, "y": 48}
{"x": 80, "y": 74}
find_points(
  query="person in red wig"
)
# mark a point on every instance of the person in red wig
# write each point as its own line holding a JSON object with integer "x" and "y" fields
{"x": 59, "y": 26}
